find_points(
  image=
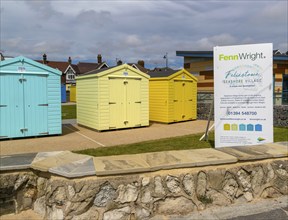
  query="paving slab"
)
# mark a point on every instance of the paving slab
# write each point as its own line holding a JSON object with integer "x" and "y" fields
{"x": 16, "y": 161}
{"x": 160, "y": 160}
{"x": 120, "y": 164}
{"x": 205, "y": 157}
{"x": 56, "y": 160}
{"x": 187, "y": 158}
{"x": 80, "y": 168}
{"x": 256, "y": 152}
{"x": 69, "y": 121}
{"x": 43, "y": 155}
{"x": 277, "y": 149}
{"x": 283, "y": 143}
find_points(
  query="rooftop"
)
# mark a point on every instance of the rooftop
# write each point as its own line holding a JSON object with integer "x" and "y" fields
{"x": 277, "y": 54}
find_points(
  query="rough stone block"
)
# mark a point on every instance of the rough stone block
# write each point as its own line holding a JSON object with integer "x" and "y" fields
{"x": 7, "y": 207}
{"x": 175, "y": 206}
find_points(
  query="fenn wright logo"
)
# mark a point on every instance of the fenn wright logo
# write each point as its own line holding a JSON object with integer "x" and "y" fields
{"x": 242, "y": 56}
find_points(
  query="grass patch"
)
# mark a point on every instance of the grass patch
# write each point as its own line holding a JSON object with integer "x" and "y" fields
{"x": 166, "y": 144}
{"x": 205, "y": 200}
{"x": 68, "y": 111}
{"x": 280, "y": 134}
{"x": 176, "y": 143}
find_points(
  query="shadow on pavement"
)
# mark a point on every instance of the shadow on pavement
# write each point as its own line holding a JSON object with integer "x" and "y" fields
{"x": 68, "y": 129}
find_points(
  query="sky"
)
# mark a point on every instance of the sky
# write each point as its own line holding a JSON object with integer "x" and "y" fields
{"x": 135, "y": 30}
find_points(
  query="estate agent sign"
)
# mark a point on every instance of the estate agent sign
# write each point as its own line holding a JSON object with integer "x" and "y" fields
{"x": 243, "y": 95}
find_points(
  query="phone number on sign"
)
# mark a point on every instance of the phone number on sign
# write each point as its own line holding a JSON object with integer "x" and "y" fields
{"x": 241, "y": 113}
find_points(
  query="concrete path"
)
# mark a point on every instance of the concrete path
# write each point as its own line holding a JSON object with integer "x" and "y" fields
{"x": 65, "y": 163}
{"x": 68, "y": 103}
{"x": 78, "y": 138}
{"x": 264, "y": 209}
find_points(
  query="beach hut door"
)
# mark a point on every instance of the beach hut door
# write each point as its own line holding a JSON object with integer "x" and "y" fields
{"x": 116, "y": 103}
{"x": 178, "y": 101}
{"x": 23, "y": 105}
{"x": 183, "y": 99}
{"x": 124, "y": 102}
{"x": 11, "y": 106}
{"x": 189, "y": 107}
{"x": 35, "y": 105}
{"x": 133, "y": 102}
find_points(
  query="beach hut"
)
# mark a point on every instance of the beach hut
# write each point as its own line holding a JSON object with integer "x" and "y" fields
{"x": 113, "y": 98}
{"x": 63, "y": 93}
{"x": 172, "y": 96}
{"x": 30, "y": 99}
{"x": 73, "y": 93}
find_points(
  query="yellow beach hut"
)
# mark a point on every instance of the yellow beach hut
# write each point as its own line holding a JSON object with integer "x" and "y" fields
{"x": 173, "y": 96}
{"x": 113, "y": 98}
{"x": 73, "y": 93}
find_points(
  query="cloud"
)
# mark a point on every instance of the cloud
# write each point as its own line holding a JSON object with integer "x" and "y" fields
{"x": 19, "y": 46}
{"x": 133, "y": 30}
{"x": 43, "y": 9}
{"x": 93, "y": 17}
{"x": 52, "y": 47}
{"x": 132, "y": 41}
{"x": 13, "y": 42}
{"x": 283, "y": 46}
{"x": 207, "y": 43}
{"x": 276, "y": 12}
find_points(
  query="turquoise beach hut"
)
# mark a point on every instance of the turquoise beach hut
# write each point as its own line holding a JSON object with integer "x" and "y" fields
{"x": 30, "y": 99}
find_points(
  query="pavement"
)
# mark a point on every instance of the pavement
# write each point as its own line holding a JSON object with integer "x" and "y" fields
{"x": 68, "y": 103}
{"x": 52, "y": 154}
{"x": 268, "y": 209}
{"x": 75, "y": 137}
{"x": 71, "y": 165}
{"x": 262, "y": 209}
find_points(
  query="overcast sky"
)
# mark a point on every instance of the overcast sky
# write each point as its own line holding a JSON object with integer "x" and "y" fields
{"x": 137, "y": 29}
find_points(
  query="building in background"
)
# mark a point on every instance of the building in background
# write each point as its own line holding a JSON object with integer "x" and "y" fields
{"x": 200, "y": 64}
{"x": 69, "y": 73}
{"x": 140, "y": 65}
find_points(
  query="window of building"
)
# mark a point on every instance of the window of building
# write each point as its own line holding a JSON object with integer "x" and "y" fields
{"x": 70, "y": 75}
{"x": 285, "y": 90}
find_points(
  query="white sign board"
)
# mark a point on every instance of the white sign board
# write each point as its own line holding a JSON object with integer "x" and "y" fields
{"x": 243, "y": 95}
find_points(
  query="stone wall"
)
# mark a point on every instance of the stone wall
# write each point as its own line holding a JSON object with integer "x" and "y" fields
{"x": 141, "y": 196}
{"x": 203, "y": 110}
{"x": 18, "y": 191}
{"x": 280, "y": 114}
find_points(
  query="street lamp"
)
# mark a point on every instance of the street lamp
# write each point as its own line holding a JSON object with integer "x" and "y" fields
{"x": 166, "y": 57}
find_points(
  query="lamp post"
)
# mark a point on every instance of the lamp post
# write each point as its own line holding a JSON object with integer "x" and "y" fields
{"x": 166, "y": 57}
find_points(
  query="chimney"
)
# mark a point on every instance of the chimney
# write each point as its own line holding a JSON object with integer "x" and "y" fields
{"x": 99, "y": 58}
{"x": 141, "y": 63}
{"x": 69, "y": 60}
{"x": 119, "y": 62}
{"x": 44, "y": 58}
